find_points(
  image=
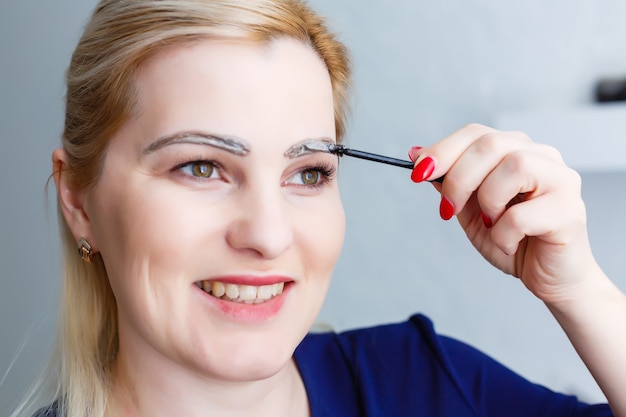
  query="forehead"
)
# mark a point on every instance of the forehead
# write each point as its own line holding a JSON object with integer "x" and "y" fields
{"x": 239, "y": 88}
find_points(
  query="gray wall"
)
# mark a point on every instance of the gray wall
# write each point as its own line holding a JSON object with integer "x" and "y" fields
{"x": 423, "y": 69}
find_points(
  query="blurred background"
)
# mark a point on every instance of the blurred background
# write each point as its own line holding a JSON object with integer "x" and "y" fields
{"x": 423, "y": 68}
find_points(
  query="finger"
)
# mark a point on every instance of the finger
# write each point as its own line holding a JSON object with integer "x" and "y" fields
{"x": 478, "y": 160}
{"x": 553, "y": 217}
{"x": 522, "y": 175}
{"x": 434, "y": 161}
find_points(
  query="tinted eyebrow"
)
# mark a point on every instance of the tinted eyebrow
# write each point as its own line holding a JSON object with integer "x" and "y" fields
{"x": 227, "y": 143}
{"x": 309, "y": 146}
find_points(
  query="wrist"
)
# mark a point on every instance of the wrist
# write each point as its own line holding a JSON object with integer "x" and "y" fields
{"x": 588, "y": 293}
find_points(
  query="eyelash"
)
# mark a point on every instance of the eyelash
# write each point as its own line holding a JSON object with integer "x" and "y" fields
{"x": 326, "y": 170}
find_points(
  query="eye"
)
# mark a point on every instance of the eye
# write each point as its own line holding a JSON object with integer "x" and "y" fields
{"x": 199, "y": 169}
{"x": 312, "y": 176}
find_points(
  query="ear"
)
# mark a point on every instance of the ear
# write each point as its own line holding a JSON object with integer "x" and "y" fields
{"x": 71, "y": 200}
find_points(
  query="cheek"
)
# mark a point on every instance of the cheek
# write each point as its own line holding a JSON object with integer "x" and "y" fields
{"x": 323, "y": 234}
{"x": 150, "y": 235}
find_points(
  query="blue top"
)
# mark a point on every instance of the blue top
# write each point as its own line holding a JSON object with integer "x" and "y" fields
{"x": 406, "y": 369}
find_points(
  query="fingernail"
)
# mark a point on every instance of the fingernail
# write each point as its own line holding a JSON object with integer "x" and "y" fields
{"x": 446, "y": 209}
{"x": 423, "y": 169}
{"x": 486, "y": 220}
{"x": 413, "y": 152}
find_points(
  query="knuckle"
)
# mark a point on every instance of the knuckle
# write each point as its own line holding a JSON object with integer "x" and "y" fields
{"x": 488, "y": 142}
{"x": 476, "y": 129}
{"x": 474, "y": 126}
{"x": 575, "y": 179}
{"x": 551, "y": 152}
{"x": 519, "y": 135}
{"x": 514, "y": 218}
{"x": 516, "y": 163}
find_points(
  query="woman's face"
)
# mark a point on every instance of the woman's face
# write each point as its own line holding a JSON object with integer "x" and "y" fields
{"x": 220, "y": 244}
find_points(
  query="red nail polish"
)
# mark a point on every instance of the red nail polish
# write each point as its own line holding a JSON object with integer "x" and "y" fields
{"x": 446, "y": 209}
{"x": 486, "y": 220}
{"x": 413, "y": 152}
{"x": 423, "y": 169}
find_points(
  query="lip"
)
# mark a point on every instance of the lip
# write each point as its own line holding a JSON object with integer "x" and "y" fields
{"x": 248, "y": 313}
{"x": 254, "y": 280}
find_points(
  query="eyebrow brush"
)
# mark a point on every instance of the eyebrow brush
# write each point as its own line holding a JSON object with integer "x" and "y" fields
{"x": 341, "y": 150}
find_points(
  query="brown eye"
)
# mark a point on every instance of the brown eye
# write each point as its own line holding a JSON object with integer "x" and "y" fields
{"x": 202, "y": 169}
{"x": 310, "y": 177}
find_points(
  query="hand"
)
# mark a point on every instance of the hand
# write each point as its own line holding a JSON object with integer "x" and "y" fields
{"x": 519, "y": 204}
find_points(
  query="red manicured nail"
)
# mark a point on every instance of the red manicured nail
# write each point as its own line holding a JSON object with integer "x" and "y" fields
{"x": 423, "y": 169}
{"x": 486, "y": 220}
{"x": 413, "y": 152}
{"x": 446, "y": 209}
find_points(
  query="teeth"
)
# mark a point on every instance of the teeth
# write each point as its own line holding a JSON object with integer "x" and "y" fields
{"x": 248, "y": 294}
{"x": 265, "y": 292}
{"x": 232, "y": 291}
{"x": 218, "y": 289}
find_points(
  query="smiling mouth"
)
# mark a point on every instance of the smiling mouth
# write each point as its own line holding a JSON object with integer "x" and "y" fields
{"x": 246, "y": 294}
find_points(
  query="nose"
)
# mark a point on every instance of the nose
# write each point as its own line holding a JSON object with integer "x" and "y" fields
{"x": 262, "y": 224}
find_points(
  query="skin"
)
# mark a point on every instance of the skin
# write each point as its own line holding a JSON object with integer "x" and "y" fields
{"x": 160, "y": 230}
{"x": 159, "y": 233}
{"x": 538, "y": 234}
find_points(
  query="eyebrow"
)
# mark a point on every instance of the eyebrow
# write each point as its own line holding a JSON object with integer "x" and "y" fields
{"x": 309, "y": 146}
{"x": 227, "y": 143}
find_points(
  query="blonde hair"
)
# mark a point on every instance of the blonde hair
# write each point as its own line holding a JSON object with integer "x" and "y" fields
{"x": 119, "y": 38}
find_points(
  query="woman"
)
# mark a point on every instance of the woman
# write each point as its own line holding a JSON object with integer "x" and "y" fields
{"x": 206, "y": 238}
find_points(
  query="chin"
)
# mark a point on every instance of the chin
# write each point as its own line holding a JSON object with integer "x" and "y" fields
{"x": 246, "y": 355}
{"x": 249, "y": 368}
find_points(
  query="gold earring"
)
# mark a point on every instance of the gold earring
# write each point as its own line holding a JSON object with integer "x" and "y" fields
{"x": 84, "y": 250}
